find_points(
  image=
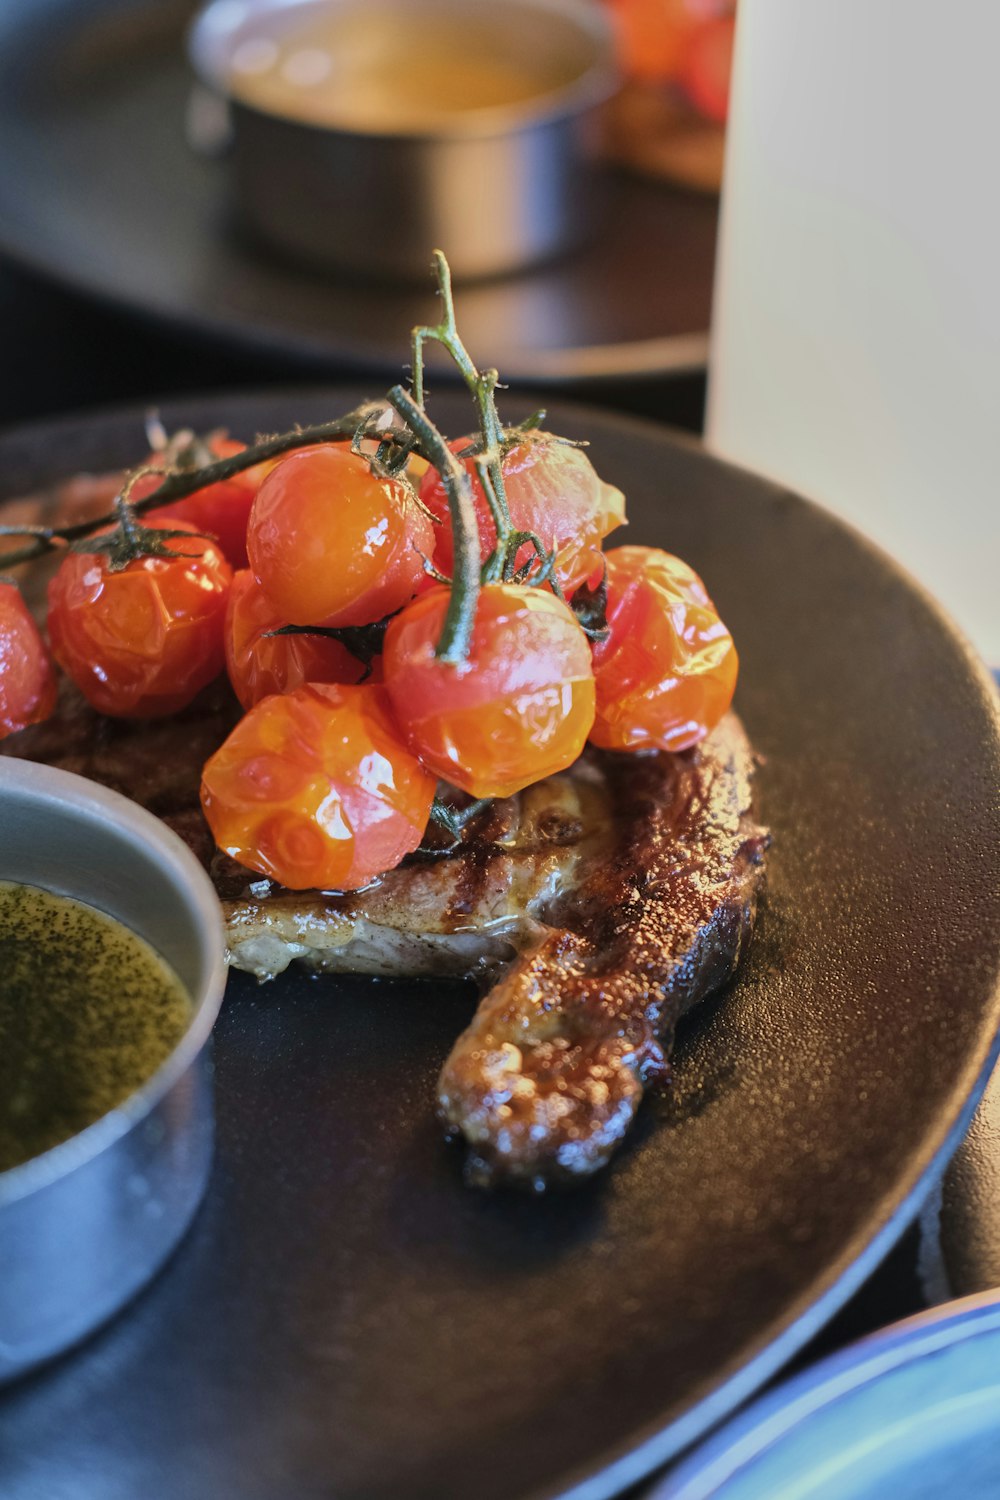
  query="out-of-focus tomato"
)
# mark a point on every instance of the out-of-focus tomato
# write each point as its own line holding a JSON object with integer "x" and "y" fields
{"x": 141, "y": 642}
{"x": 707, "y": 65}
{"x": 316, "y": 788}
{"x": 553, "y": 490}
{"x": 333, "y": 545}
{"x": 260, "y": 663}
{"x": 667, "y": 671}
{"x": 652, "y": 36}
{"x": 219, "y": 510}
{"x": 518, "y": 709}
{"x": 27, "y": 681}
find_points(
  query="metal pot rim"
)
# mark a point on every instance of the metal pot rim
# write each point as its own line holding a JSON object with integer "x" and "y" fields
{"x": 590, "y": 88}
{"x": 98, "y": 804}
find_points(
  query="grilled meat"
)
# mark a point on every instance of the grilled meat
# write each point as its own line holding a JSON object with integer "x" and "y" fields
{"x": 594, "y": 908}
{"x": 600, "y": 904}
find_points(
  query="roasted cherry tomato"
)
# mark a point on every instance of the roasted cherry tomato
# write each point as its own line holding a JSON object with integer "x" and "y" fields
{"x": 219, "y": 510}
{"x": 667, "y": 672}
{"x": 553, "y": 490}
{"x": 260, "y": 663}
{"x": 708, "y": 63}
{"x": 27, "y": 681}
{"x": 518, "y": 709}
{"x": 316, "y": 788}
{"x": 142, "y": 642}
{"x": 333, "y": 545}
{"x": 651, "y": 36}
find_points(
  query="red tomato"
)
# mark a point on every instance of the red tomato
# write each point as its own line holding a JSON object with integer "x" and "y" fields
{"x": 142, "y": 642}
{"x": 27, "y": 681}
{"x": 219, "y": 510}
{"x": 667, "y": 672}
{"x": 552, "y": 490}
{"x": 259, "y": 663}
{"x": 333, "y": 545}
{"x": 708, "y": 62}
{"x": 316, "y": 788}
{"x": 518, "y": 709}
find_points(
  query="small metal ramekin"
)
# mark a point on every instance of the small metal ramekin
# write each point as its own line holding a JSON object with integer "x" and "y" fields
{"x": 496, "y": 189}
{"x": 87, "y": 1223}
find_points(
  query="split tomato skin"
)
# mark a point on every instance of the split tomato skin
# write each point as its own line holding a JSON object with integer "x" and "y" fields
{"x": 667, "y": 672}
{"x": 220, "y": 511}
{"x": 553, "y": 490}
{"x": 141, "y": 643}
{"x": 27, "y": 680}
{"x": 518, "y": 709}
{"x": 317, "y": 790}
{"x": 260, "y": 663}
{"x": 331, "y": 544}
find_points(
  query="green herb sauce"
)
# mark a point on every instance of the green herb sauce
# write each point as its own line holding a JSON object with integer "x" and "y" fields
{"x": 88, "y": 1011}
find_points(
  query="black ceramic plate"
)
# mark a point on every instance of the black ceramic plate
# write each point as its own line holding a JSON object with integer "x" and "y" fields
{"x": 347, "y": 1320}
{"x": 99, "y": 189}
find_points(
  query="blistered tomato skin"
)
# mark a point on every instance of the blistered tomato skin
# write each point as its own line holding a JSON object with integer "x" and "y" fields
{"x": 316, "y": 789}
{"x": 332, "y": 545}
{"x": 667, "y": 672}
{"x": 220, "y": 510}
{"x": 553, "y": 490}
{"x": 520, "y": 708}
{"x": 27, "y": 681}
{"x": 260, "y": 663}
{"x": 143, "y": 642}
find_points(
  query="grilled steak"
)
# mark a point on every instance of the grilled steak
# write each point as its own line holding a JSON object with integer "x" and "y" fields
{"x": 594, "y": 908}
{"x": 599, "y": 904}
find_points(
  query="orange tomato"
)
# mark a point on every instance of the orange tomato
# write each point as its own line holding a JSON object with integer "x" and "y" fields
{"x": 667, "y": 672}
{"x": 142, "y": 642}
{"x": 331, "y": 544}
{"x": 316, "y": 789}
{"x": 260, "y": 663}
{"x": 27, "y": 681}
{"x": 518, "y": 709}
{"x": 553, "y": 490}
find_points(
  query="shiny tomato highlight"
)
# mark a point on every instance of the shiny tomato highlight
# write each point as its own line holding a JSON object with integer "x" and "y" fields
{"x": 143, "y": 642}
{"x": 518, "y": 709}
{"x": 553, "y": 490}
{"x": 316, "y": 789}
{"x": 332, "y": 545}
{"x": 259, "y": 663}
{"x": 667, "y": 672}
{"x": 27, "y": 681}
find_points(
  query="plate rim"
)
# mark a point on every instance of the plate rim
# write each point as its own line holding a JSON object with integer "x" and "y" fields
{"x": 647, "y": 1449}
{"x": 766, "y": 1423}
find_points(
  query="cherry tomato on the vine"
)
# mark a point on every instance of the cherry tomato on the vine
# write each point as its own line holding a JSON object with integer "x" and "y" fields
{"x": 219, "y": 510}
{"x": 333, "y": 545}
{"x": 27, "y": 681}
{"x": 142, "y": 642}
{"x": 518, "y": 709}
{"x": 260, "y": 663}
{"x": 316, "y": 788}
{"x": 667, "y": 672}
{"x": 553, "y": 490}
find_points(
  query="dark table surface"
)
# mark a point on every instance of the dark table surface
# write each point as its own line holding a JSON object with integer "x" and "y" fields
{"x": 60, "y": 353}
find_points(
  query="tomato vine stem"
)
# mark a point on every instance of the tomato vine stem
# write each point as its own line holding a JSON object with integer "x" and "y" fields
{"x": 179, "y": 483}
{"x": 456, "y": 634}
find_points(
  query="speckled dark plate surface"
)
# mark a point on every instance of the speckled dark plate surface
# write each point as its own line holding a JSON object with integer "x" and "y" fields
{"x": 347, "y": 1320}
{"x": 99, "y": 189}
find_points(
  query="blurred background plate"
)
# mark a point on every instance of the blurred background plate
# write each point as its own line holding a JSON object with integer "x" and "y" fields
{"x": 100, "y": 190}
{"x": 911, "y": 1412}
{"x": 346, "y": 1319}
